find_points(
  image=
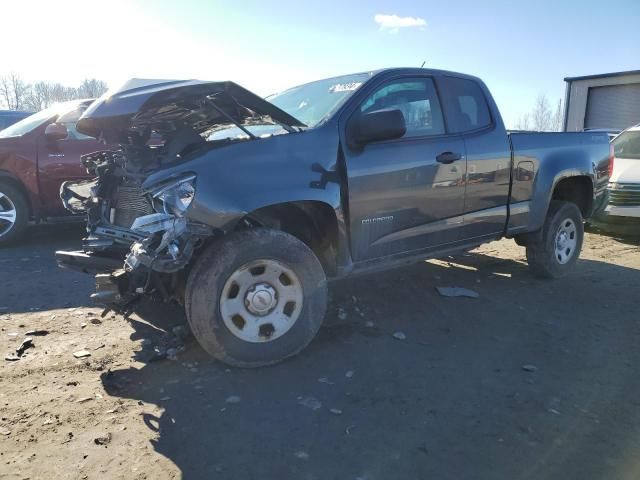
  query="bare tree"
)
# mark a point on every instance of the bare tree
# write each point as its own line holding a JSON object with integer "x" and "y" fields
{"x": 542, "y": 118}
{"x": 13, "y": 91}
{"x": 558, "y": 117}
{"x": 91, "y": 88}
{"x": 40, "y": 96}
{"x": 524, "y": 122}
{"x": 15, "y": 94}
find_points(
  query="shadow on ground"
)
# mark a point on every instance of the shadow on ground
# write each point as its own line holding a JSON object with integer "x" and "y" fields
{"x": 451, "y": 401}
{"x": 32, "y": 262}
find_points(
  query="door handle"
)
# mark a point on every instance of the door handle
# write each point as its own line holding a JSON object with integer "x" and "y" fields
{"x": 448, "y": 157}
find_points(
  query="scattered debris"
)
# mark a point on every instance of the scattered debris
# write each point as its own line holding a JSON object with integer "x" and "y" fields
{"x": 457, "y": 292}
{"x": 311, "y": 402}
{"x": 12, "y": 334}
{"x": 335, "y": 411}
{"x": 5, "y": 431}
{"x": 554, "y": 411}
{"x": 349, "y": 373}
{"x": 82, "y": 354}
{"x": 37, "y": 333}
{"x": 529, "y": 368}
{"x": 301, "y": 455}
{"x": 103, "y": 439}
{"x": 325, "y": 380}
{"x": 102, "y": 345}
{"x": 172, "y": 353}
{"x": 96, "y": 321}
{"x": 26, "y": 343}
{"x": 83, "y": 325}
{"x": 399, "y": 336}
{"x": 233, "y": 399}
{"x": 369, "y": 324}
{"x": 146, "y": 342}
{"x": 342, "y": 314}
{"x": 180, "y": 331}
{"x": 11, "y": 357}
{"x": 84, "y": 399}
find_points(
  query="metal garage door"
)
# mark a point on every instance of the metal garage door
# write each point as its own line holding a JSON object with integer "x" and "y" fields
{"x": 613, "y": 107}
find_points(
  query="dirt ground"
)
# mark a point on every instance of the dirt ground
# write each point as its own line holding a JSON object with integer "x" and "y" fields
{"x": 533, "y": 379}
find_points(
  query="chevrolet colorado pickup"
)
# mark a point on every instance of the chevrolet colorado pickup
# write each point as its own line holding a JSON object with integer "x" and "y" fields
{"x": 247, "y": 206}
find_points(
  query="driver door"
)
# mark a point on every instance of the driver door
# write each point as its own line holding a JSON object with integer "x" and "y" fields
{"x": 59, "y": 160}
{"x": 406, "y": 194}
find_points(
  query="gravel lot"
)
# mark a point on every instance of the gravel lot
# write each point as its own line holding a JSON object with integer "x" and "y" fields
{"x": 534, "y": 379}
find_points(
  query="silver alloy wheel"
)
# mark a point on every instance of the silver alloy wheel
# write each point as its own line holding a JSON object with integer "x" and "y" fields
{"x": 261, "y": 301}
{"x": 7, "y": 214}
{"x": 566, "y": 241}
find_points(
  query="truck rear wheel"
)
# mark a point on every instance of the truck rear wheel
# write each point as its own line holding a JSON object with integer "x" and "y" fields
{"x": 556, "y": 252}
{"x": 14, "y": 213}
{"x": 256, "y": 297}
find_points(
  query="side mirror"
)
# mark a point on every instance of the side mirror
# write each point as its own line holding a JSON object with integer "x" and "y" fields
{"x": 56, "y": 131}
{"x": 376, "y": 126}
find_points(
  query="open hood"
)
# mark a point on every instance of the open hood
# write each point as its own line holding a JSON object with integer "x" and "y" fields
{"x": 164, "y": 106}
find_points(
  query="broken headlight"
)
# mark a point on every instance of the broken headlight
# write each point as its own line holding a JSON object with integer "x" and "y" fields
{"x": 176, "y": 196}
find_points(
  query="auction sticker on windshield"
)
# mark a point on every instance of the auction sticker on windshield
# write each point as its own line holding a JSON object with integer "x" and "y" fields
{"x": 344, "y": 87}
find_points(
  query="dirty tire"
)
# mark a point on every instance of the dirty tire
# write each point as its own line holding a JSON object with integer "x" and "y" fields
{"x": 11, "y": 197}
{"x": 219, "y": 262}
{"x": 542, "y": 254}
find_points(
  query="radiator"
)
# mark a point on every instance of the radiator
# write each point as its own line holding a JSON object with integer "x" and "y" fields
{"x": 130, "y": 204}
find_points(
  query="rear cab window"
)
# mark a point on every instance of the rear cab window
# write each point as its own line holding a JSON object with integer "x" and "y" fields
{"x": 465, "y": 105}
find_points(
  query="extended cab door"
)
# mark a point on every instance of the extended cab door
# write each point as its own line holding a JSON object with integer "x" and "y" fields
{"x": 472, "y": 114}
{"x": 59, "y": 160}
{"x": 405, "y": 194}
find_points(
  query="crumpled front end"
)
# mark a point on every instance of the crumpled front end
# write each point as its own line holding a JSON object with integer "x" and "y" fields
{"x": 139, "y": 240}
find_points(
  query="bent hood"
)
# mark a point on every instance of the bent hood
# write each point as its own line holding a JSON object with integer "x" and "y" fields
{"x": 142, "y": 105}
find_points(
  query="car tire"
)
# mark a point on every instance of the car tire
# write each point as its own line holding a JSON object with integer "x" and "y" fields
{"x": 14, "y": 212}
{"x": 256, "y": 297}
{"x": 556, "y": 251}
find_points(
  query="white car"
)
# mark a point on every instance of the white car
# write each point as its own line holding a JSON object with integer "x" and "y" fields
{"x": 624, "y": 181}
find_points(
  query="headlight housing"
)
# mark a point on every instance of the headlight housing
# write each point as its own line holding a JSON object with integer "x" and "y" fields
{"x": 175, "y": 196}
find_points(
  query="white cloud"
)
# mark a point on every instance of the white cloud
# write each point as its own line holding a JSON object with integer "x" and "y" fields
{"x": 393, "y": 22}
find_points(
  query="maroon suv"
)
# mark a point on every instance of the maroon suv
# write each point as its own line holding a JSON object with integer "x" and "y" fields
{"x": 36, "y": 155}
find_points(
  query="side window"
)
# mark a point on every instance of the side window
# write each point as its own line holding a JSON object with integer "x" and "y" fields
{"x": 465, "y": 104}
{"x": 416, "y": 99}
{"x": 69, "y": 120}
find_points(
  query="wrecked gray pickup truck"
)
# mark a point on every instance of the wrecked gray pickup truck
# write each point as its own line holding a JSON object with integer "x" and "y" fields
{"x": 241, "y": 208}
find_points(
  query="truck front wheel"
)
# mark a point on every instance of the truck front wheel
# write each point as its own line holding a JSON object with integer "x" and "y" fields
{"x": 555, "y": 253}
{"x": 256, "y": 297}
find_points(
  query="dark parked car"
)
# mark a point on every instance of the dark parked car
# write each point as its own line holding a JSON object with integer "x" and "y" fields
{"x": 9, "y": 117}
{"x": 250, "y": 206}
{"x": 37, "y": 154}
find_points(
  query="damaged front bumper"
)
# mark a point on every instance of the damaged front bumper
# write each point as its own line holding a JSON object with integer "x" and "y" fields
{"x": 138, "y": 243}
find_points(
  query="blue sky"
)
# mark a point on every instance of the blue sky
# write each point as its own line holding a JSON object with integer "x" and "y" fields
{"x": 520, "y": 49}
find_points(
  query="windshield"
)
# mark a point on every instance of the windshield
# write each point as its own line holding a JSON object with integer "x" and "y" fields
{"x": 627, "y": 145}
{"x": 313, "y": 102}
{"x": 34, "y": 121}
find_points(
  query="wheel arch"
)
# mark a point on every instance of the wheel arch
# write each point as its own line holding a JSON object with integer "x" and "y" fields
{"x": 313, "y": 222}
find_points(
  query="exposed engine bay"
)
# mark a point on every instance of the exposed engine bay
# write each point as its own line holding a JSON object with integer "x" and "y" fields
{"x": 142, "y": 232}
{"x": 140, "y": 239}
